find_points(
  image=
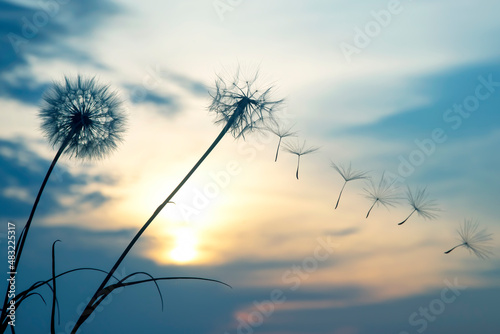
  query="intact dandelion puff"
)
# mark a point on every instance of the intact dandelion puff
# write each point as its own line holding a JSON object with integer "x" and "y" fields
{"x": 382, "y": 193}
{"x": 299, "y": 150}
{"x": 421, "y": 204}
{"x": 83, "y": 119}
{"x": 241, "y": 108}
{"x": 476, "y": 241}
{"x": 281, "y": 132}
{"x": 348, "y": 174}
{"x": 83, "y": 116}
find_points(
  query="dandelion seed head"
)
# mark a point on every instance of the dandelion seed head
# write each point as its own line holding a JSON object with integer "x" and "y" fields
{"x": 475, "y": 240}
{"x": 347, "y": 173}
{"x": 383, "y": 192}
{"x": 239, "y": 101}
{"x": 425, "y": 207}
{"x": 86, "y": 111}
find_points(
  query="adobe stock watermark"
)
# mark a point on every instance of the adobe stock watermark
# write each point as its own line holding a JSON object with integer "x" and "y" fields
{"x": 454, "y": 118}
{"x": 32, "y": 24}
{"x": 221, "y": 7}
{"x": 363, "y": 36}
{"x": 427, "y": 314}
{"x": 294, "y": 277}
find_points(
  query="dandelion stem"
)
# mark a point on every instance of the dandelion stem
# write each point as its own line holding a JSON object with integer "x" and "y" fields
{"x": 277, "y": 150}
{"x": 404, "y": 221}
{"x": 371, "y": 208}
{"x": 341, "y": 190}
{"x": 298, "y": 164}
{"x": 447, "y": 252}
{"x": 20, "y": 247}
{"x": 94, "y": 302}
{"x": 54, "y": 295}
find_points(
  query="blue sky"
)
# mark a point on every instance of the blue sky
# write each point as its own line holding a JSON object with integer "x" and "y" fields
{"x": 391, "y": 106}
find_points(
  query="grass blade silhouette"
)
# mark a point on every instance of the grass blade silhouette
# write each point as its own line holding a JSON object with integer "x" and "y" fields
{"x": 54, "y": 290}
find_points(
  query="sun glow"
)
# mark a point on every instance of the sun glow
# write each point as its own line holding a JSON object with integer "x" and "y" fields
{"x": 185, "y": 245}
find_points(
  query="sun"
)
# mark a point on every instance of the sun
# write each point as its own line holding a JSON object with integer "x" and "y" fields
{"x": 185, "y": 245}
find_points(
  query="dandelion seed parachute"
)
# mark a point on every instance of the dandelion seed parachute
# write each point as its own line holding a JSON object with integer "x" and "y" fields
{"x": 476, "y": 241}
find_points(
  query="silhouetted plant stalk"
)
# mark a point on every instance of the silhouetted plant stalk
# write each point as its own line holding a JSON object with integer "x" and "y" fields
{"x": 241, "y": 109}
{"x": 85, "y": 120}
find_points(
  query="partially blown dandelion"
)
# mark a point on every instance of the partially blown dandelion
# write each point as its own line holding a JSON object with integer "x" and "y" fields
{"x": 299, "y": 150}
{"x": 348, "y": 174}
{"x": 476, "y": 241}
{"x": 381, "y": 193}
{"x": 241, "y": 108}
{"x": 281, "y": 132}
{"x": 83, "y": 119}
{"x": 423, "y": 206}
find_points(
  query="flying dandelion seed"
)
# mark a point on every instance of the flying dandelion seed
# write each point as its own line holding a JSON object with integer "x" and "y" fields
{"x": 281, "y": 132}
{"x": 381, "y": 193}
{"x": 476, "y": 241}
{"x": 299, "y": 150}
{"x": 423, "y": 206}
{"x": 84, "y": 119}
{"x": 241, "y": 108}
{"x": 348, "y": 174}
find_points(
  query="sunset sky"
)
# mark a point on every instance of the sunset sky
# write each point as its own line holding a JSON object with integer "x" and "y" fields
{"x": 406, "y": 89}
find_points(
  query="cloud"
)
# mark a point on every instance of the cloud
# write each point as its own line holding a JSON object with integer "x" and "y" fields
{"x": 444, "y": 90}
{"x": 41, "y": 31}
{"x": 22, "y": 171}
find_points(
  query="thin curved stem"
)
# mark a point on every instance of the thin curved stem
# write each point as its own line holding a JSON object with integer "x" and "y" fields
{"x": 371, "y": 208}
{"x": 298, "y": 165}
{"x": 54, "y": 293}
{"x": 277, "y": 150}
{"x": 404, "y": 221}
{"x": 32, "y": 213}
{"x": 447, "y": 252}
{"x": 89, "y": 309}
{"x": 341, "y": 190}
